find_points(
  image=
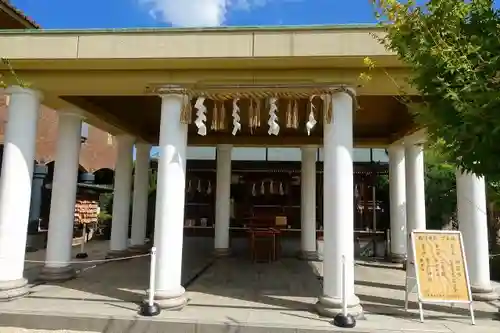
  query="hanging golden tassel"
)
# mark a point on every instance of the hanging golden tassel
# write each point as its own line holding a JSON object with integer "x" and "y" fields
{"x": 186, "y": 113}
{"x": 215, "y": 118}
{"x": 257, "y": 113}
{"x": 310, "y": 106}
{"x": 289, "y": 114}
{"x": 222, "y": 118}
{"x": 251, "y": 116}
{"x": 328, "y": 109}
{"x": 295, "y": 115}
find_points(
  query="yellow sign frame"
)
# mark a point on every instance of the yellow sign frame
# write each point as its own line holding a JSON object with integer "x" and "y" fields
{"x": 439, "y": 269}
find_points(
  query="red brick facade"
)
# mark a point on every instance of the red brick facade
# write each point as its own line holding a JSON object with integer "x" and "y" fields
{"x": 96, "y": 153}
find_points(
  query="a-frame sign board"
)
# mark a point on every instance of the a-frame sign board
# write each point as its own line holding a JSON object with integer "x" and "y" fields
{"x": 438, "y": 270}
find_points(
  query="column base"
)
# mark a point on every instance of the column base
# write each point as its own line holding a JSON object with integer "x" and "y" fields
{"x": 330, "y": 307}
{"x": 220, "y": 253}
{"x": 171, "y": 300}
{"x": 483, "y": 294}
{"x": 143, "y": 248}
{"x": 114, "y": 254}
{"x": 57, "y": 274}
{"x": 397, "y": 258}
{"x": 308, "y": 255}
{"x": 11, "y": 290}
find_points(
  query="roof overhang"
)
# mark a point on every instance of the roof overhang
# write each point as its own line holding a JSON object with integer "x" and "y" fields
{"x": 24, "y": 22}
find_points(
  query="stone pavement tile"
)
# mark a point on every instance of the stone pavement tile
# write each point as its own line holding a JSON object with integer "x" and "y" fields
{"x": 480, "y": 327}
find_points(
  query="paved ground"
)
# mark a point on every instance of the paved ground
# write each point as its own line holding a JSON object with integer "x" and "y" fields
{"x": 231, "y": 295}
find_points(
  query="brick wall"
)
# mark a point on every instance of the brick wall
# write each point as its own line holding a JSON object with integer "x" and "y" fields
{"x": 96, "y": 153}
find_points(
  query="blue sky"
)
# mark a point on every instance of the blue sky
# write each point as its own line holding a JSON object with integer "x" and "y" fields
{"x": 74, "y": 14}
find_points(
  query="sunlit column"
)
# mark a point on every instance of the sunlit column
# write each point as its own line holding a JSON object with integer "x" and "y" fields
{"x": 170, "y": 195}
{"x": 397, "y": 193}
{"x": 473, "y": 223}
{"x": 15, "y": 188}
{"x": 140, "y": 197}
{"x": 121, "y": 197}
{"x": 415, "y": 187}
{"x": 62, "y": 206}
{"x": 338, "y": 210}
{"x": 222, "y": 200}
{"x": 308, "y": 204}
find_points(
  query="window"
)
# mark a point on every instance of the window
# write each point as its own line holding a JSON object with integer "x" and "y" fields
{"x": 84, "y": 132}
{"x": 248, "y": 154}
{"x": 284, "y": 154}
{"x": 379, "y": 155}
{"x": 200, "y": 153}
{"x": 110, "y": 139}
{"x": 361, "y": 154}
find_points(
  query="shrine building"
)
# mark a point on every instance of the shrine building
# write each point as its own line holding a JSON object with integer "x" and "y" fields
{"x": 223, "y": 89}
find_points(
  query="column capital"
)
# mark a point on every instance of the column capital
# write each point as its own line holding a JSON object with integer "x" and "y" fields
{"x": 125, "y": 138}
{"x": 167, "y": 91}
{"x": 416, "y": 138}
{"x": 343, "y": 89}
{"x": 18, "y": 90}
{"x": 396, "y": 146}
{"x": 309, "y": 150}
{"x": 71, "y": 112}
{"x": 224, "y": 147}
{"x": 180, "y": 94}
{"x": 144, "y": 145}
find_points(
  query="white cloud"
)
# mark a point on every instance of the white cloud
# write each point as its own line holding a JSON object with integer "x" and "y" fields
{"x": 196, "y": 13}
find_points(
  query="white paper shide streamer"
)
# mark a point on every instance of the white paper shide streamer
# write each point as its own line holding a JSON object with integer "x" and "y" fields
{"x": 274, "y": 127}
{"x": 201, "y": 116}
{"x": 311, "y": 121}
{"x": 236, "y": 116}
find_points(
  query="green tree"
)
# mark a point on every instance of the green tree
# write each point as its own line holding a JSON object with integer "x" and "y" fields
{"x": 452, "y": 49}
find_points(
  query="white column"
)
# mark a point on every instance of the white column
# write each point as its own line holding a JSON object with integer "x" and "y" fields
{"x": 169, "y": 214}
{"x": 62, "y": 205}
{"x": 140, "y": 197}
{"x": 15, "y": 188}
{"x": 222, "y": 200}
{"x": 121, "y": 197}
{"x": 397, "y": 193}
{"x": 308, "y": 204}
{"x": 415, "y": 187}
{"x": 472, "y": 221}
{"x": 338, "y": 210}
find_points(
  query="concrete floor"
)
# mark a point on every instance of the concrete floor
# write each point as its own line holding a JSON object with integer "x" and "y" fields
{"x": 226, "y": 295}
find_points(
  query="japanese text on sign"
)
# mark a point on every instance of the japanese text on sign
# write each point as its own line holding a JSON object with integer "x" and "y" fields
{"x": 440, "y": 267}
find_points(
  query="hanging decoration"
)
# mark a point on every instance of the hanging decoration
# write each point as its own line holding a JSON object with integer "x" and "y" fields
{"x": 186, "y": 112}
{"x": 327, "y": 108}
{"x": 218, "y": 116}
{"x": 255, "y": 93}
{"x": 251, "y": 116}
{"x": 274, "y": 127}
{"x": 201, "y": 117}
{"x": 222, "y": 117}
{"x": 295, "y": 114}
{"x": 215, "y": 118}
{"x": 256, "y": 112}
{"x": 311, "y": 120}
{"x": 236, "y": 116}
{"x": 289, "y": 110}
{"x": 209, "y": 188}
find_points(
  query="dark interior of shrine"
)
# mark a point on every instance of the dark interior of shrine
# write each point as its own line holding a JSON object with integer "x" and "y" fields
{"x": 273, "y": 188}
